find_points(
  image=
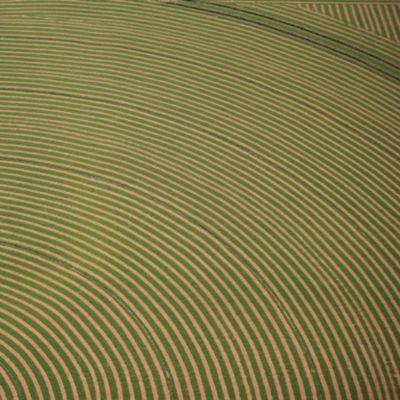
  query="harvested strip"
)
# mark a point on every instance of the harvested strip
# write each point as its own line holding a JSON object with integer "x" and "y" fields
{"x": 379, "y": 18}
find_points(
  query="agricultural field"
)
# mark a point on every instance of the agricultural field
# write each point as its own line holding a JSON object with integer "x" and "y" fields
{"x": 199, "y": 200}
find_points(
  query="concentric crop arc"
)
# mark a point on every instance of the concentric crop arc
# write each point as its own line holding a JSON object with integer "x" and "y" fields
{"x": 199, "y": 200}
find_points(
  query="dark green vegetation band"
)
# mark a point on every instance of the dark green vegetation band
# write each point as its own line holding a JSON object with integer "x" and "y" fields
{"x": 329, "y": 43}
{"x": 199, "y": 200}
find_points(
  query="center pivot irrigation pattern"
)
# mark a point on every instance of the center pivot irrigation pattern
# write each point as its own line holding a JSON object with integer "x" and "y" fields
{"x": 198, "y": 200}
